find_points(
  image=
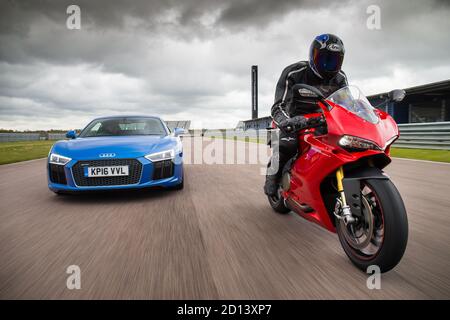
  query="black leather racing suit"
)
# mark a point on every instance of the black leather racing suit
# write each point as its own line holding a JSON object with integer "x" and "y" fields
{"x": 282, "y": 109}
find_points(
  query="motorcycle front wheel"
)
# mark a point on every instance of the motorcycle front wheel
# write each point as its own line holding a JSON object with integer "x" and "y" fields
{"x": 380, "y": 236}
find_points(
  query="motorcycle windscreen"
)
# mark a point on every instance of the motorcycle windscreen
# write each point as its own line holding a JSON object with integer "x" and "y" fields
{"x": 352, "y": 99}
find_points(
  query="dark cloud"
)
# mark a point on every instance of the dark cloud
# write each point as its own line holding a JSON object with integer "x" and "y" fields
{"x": 17, "y": 15}
{"x": 191, "y": 58}
{"x": 239, "y": 15}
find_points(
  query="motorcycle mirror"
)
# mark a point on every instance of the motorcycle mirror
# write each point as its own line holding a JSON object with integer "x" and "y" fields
{"x": 396, "y": 95}
{"x": 305, "y": 91}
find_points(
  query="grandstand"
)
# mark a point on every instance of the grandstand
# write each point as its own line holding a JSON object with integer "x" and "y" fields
{"x": 185, "y": 124}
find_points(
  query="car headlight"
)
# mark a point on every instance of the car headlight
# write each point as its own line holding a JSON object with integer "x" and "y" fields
{"x": 357, "y": 143}
{"x": 55, "y": 158}
{"x": 160, "y": 156}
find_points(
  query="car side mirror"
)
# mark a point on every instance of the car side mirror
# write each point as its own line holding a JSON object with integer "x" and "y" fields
{"x": 71, "y": 134}
{"x": 396, "y": 95}
{"x": 178, "y": 131}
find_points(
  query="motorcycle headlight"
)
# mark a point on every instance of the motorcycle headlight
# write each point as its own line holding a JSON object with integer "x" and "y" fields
{"x": 357, "y": 143}
{"x": 55, "y": 158}
{"x": 160, "y": 156}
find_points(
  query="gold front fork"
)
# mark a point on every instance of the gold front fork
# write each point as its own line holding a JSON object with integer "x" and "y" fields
{"x": 346, "y": 215}
{"x": 339, "y": 178}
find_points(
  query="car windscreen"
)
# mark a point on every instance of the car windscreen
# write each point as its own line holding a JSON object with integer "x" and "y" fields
{"x": 124, "y": 127}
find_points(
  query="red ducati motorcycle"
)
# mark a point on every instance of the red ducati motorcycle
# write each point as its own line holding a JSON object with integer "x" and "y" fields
{"x": 336, "y": 178}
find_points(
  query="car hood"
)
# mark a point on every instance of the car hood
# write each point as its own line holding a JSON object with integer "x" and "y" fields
{"x": 121, "y": 147}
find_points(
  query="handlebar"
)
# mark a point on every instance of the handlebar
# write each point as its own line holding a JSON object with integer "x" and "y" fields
{"x": 311, "y": 122}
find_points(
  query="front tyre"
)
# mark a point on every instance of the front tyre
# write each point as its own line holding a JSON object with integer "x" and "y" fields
{"x": 380, "y": 236}
{"x": 179, "y": 186}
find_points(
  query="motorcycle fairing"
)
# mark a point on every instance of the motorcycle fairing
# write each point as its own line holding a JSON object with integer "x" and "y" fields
{"x": 321, "y": 156}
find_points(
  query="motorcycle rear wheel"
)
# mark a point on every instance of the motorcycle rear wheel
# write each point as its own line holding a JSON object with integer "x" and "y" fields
{"x": 381, "y": 235}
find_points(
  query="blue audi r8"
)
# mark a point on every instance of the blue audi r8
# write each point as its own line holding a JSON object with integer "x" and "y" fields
{"x": 118, "y": 152}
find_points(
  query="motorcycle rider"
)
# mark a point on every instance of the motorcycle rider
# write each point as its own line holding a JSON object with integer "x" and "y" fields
{"x": 323, "y": 71}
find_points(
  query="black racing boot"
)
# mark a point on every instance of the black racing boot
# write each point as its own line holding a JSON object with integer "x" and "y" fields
{"x": 271, "y": 185}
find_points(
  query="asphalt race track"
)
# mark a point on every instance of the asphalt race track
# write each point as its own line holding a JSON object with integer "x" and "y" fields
{"x": 217, "y": 238}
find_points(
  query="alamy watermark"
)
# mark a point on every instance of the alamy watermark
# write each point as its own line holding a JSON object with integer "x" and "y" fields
{"x": 373, "y": 21}
{"x": 374, "y": 280}
{"x": 73, "y": 281}
{"x": 212, "y": 147}
{"x": 73, "y": 21}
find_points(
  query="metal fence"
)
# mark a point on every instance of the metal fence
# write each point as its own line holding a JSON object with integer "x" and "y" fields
{"x": 19, "y": 136}
{"x": 185, "y": 124}
{"x": 56, "y": 136}
{"x": 433, "y": 135}
{"x": 14, "y": 136}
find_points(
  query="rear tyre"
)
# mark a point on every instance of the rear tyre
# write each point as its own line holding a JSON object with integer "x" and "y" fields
{"x": 277, "y": 203}
{"x": 381, "y": 235}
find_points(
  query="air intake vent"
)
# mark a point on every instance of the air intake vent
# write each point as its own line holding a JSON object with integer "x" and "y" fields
{"x": 57, "y": 174}
{"x": 163, "y": 169}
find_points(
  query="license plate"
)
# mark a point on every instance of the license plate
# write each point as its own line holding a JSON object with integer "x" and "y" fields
{"x": 111, "y": 171}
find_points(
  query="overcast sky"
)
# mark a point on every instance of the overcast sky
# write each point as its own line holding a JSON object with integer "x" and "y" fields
{"x": 190, "y": 59}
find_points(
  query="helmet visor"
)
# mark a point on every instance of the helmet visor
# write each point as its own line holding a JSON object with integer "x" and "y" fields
{"x": 327, "y": 61}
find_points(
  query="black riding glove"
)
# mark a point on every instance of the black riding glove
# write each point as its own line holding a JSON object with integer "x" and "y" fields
{"x": 293, "y": 124}
{"x": 316, "y": 122}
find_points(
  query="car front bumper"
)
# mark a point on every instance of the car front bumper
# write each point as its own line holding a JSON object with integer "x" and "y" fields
{"x": 146, "y": 179}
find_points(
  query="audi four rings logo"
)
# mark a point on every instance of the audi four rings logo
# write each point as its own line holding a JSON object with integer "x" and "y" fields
{"x": 107, "y": 155}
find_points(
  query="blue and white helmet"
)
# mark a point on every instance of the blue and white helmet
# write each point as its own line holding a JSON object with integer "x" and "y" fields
{"x": 326, "y": 55}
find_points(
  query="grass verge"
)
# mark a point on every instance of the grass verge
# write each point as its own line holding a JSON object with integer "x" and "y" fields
{"x": 422, "y": 154}
{"x": 11, "y": 152}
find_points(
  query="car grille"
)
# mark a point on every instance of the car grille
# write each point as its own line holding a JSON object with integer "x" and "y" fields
{"x": 163, "y": 169}
{"x": 134, "y": 172}
{"x": 56, "y": 173}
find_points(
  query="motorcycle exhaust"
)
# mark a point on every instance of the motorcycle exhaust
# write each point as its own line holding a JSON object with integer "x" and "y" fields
{"x": 286, "y": 181}
{"x": 298, "y": 207}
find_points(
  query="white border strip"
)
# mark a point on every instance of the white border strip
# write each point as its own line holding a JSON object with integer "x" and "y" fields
{"x": 417, "y": 160}
{"x": 19, "y": 162}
